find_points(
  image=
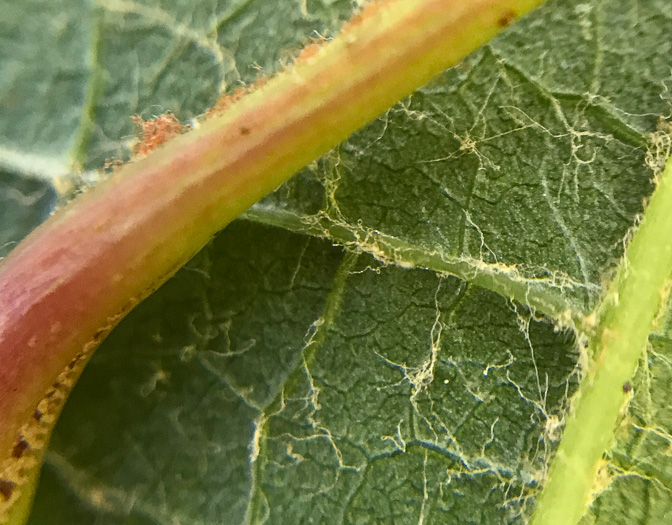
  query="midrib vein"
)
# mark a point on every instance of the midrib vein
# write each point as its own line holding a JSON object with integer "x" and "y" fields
{"x": 549, "y": 296}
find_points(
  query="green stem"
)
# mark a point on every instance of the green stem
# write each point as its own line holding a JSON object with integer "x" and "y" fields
{"x": 624, "y": 318}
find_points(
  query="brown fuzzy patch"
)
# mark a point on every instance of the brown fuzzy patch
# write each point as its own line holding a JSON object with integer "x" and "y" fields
{"x": 154, "y": 132}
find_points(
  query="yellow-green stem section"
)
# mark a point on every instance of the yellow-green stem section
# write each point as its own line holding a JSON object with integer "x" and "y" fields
{"x": 625, "y": 318}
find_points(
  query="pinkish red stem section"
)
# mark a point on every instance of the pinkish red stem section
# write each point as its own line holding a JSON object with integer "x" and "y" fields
{"x": 73, "y": 279}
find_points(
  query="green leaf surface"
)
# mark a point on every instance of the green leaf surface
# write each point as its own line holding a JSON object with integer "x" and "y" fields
{"x": 24, "y": 203}
{"x": 279, "y": 378}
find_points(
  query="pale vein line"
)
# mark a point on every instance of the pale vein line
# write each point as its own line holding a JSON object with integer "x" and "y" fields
{"x": 547, "y": 295}
{"x": 557, "y": 217}
{"x": 167, "y": 20}
{"x": 43, "y": 167}
{"x": 320, "y": 329}
{"x": 100, "y": 497}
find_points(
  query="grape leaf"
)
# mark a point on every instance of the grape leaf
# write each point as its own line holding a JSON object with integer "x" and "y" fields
{"x": 349, "y": 350}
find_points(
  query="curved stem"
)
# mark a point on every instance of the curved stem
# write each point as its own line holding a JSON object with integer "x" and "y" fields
{"x": 65, "y": 287}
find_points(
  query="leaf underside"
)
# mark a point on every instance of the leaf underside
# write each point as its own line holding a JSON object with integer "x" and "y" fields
{"x": 279, "y": 377}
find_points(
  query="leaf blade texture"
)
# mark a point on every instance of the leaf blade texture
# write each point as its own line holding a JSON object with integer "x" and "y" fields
{"x": 281, "y": 381}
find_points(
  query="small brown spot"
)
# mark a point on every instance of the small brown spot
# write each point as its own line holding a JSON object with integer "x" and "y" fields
{"x": 245, "y": 131}
{"x": 99, "y": 335}
{"x": 112, "y": 165}
{"x": 20, "y": 447}
{"x": 6, "y": 488}
{"x": 627, "y": 387}
{"x": 37, "y": 414}
{"x": 507, "y": 18}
